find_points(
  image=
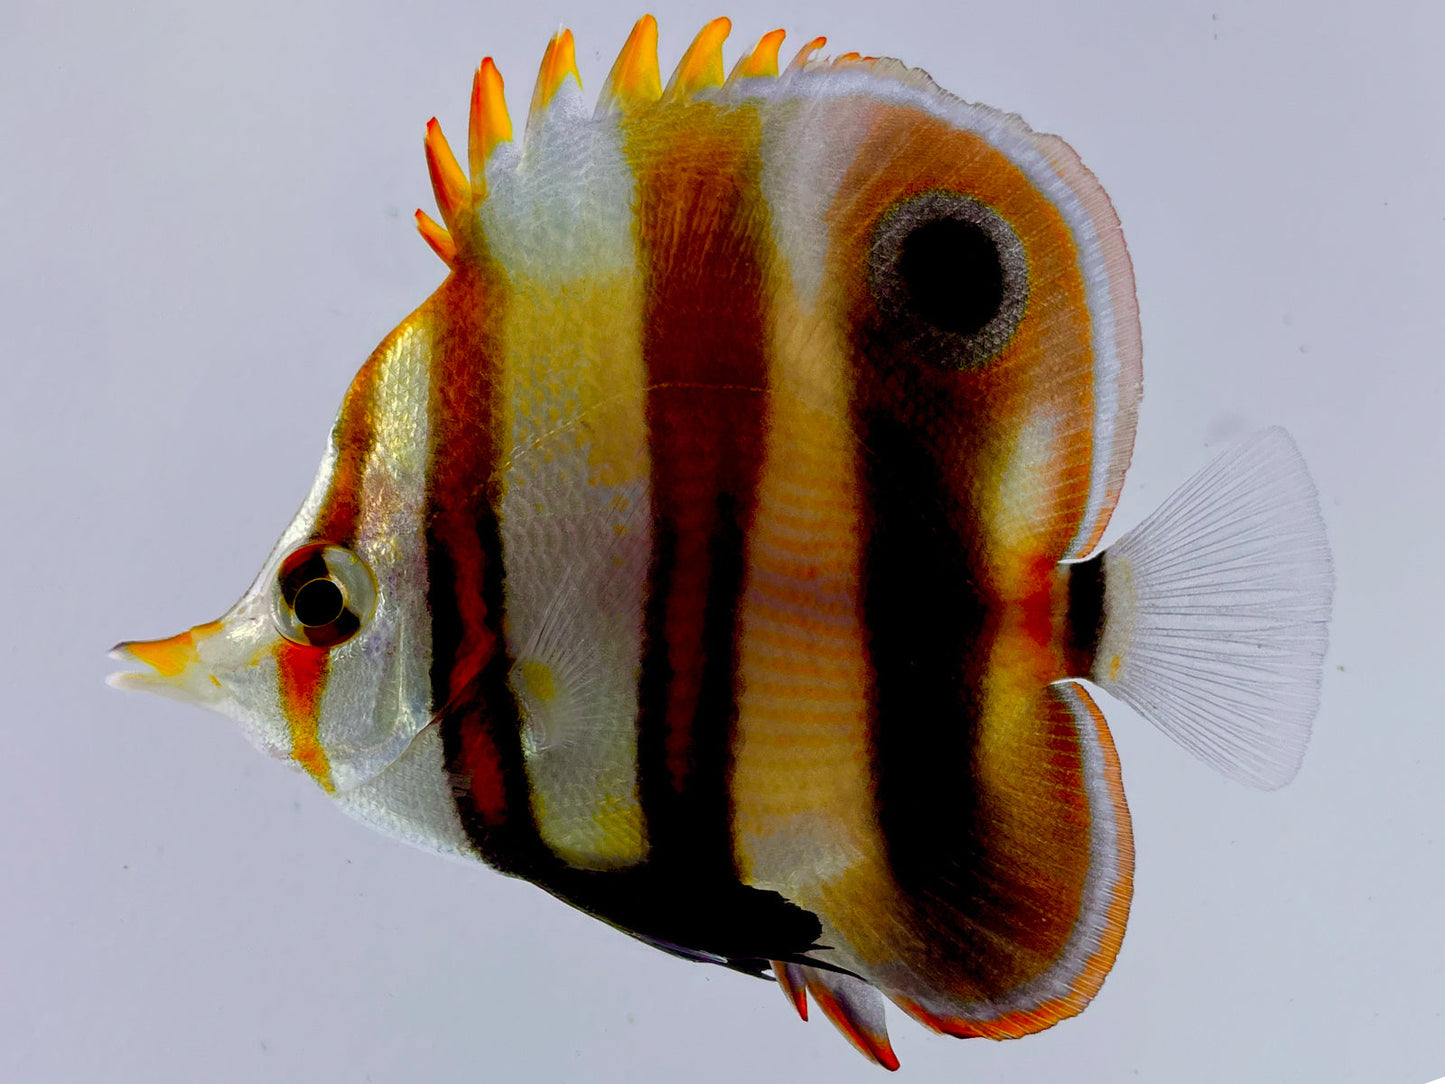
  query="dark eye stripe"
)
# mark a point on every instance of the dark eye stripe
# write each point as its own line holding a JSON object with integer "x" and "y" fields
{"x": 354, "y": 435}
{"x": 324, "y": 594}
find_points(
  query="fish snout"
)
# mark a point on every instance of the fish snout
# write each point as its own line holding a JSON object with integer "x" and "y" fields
{"x": 173, "y": 666}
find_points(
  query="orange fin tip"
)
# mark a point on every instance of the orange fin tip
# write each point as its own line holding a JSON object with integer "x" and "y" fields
{"x": 449, "y": 183}
{"x": 805, "y": 54}
{"x": 635, "y": 78}
{"x": 763, "y": 60}
{"x": 437, "y": 237}
{"x": 794, "y": 984}
{"x": 702, "y": 65}
{"x": 489, "y": 123}
{"x": 558, "y": 61}
{"x": 856, "y": 1010}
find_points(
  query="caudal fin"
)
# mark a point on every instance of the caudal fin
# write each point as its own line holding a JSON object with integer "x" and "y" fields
{"x": 1216, "y": 608}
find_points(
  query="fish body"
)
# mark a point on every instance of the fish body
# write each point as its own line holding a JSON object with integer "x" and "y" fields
{"x": 715, "y": 547}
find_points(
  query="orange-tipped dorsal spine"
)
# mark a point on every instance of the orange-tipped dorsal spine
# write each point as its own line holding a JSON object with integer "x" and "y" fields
{"x": 702, "y": 65}
{"x": 763, "y": 60}
{"x": 635, "y": 78}
{"x": 805, "y": 54}
{"x": 489, "y": 123}
{"x": 558, "y": 61}
{"x": 437, "y": 237}
{"x": 452, "y": 189}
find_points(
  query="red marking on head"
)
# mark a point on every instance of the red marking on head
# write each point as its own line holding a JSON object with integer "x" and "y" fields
{"x": 301, "y": 672}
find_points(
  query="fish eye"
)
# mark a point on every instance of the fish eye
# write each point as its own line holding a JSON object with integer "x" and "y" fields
{"x": 950, "y": 278}
{"x": 323, "y": 595}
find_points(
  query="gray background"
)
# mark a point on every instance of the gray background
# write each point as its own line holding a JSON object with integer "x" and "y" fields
{"x": 205, "y": 226}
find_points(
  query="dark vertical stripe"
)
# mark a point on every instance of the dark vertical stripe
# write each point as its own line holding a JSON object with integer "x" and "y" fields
{"x": 1085, "y": 623}
{"x": 302, "y": 670}
{"x": 930, "y": 625}
{"x": 339, "y": 517}
{"x": 927, "y": 623}
{"x": 701, "y": 223}
{"x": 479, "y": 716}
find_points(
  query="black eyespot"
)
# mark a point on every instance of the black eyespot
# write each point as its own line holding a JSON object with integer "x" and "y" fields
{"x": 323, "y": 595}
{"x": 950, "y": 278}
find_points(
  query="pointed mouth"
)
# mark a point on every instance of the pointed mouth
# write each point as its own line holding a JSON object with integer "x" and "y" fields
{"x": 170, "y": 667}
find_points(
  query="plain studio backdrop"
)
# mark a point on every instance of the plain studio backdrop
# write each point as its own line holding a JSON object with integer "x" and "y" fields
{"x": 205, "y": 227}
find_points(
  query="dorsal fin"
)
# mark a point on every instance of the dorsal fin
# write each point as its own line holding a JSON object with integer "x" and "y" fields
{"x": 635, "y": 79}
{"x": 762, "y": 62}
{"x": 805, "y": 54}
{"x": 634, "y": 83}
{"x": 558, "y": 62}
{"x": 489, "y": 122}
{"x": 702, "y": 65}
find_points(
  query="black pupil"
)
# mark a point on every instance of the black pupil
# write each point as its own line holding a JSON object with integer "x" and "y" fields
{"x": 952, "y": 273}
{"x": 319, "y": 602}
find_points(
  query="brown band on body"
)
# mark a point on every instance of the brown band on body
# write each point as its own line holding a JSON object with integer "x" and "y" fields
{"x": 701, "y": 226}
{"x": 477, "y": 710}
{"x": 339, "y": 517}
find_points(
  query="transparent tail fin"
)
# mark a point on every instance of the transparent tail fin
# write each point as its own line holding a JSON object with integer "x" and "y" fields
{"x": 1216, "y": 611}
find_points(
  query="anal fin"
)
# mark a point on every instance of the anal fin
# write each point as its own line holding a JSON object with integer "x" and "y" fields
{"x": 856, "y": 1010}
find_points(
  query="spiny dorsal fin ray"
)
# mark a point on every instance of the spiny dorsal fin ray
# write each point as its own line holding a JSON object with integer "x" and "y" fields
{"x": 762, "y": 62}
{"x": 449, "y": 184}
{"x": 437, "y": 237}
{"x": 635, "y": 79}
{"x": 558, "y": 62}
{"x": 489, "y": 123}
{"x": 634, "y": 83}
{"x": 805, "y": 54}
{"x": 702, "y": 65}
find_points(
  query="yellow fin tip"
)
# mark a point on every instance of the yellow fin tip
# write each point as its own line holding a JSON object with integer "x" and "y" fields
{"x": 489, "y": 123}
{"x": 558, "y": 61}
{"x": 435, "y": 235}
{"x": 450, "y": 185}
{"x": 806, "y": 53}
{"x": 702, "y": 65}
{"x": 635, "y": 77}
{"x": 762, "y": 62}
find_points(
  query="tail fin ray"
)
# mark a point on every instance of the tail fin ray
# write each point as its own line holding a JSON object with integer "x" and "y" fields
{"x": 1216, "y": 611}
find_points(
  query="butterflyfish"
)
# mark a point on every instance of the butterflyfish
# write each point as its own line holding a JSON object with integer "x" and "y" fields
{"x": 717, "y": 547}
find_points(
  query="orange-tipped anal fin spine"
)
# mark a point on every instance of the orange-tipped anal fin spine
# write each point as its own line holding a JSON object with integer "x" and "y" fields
{"x": 558, "y": 61}
{"x": 450, "y": 185}
{"x": 702, "y": 65}
{"x": 435, "y": 235}
{"x": 794, "y": 984}
{"x": 855, "y": 1009}
{"x": 635, "y": 79}
{"x": 805, "y": 54}
{"x": 489, "y": 122}
{"x": 762, "y": 62}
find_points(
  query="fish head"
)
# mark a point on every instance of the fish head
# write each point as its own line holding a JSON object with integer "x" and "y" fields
{"x": 323, "y": 660}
